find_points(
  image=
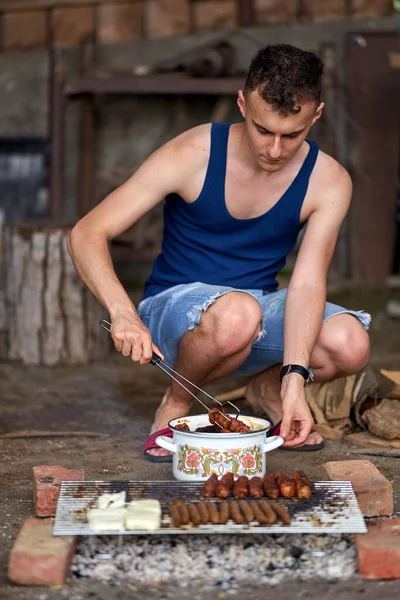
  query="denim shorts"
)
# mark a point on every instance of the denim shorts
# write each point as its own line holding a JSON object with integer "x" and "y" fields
{"x": 177, "y": 310}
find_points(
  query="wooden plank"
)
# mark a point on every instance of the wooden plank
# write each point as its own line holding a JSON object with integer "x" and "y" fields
{"x": 16, "y": 5}
{"x": 56, "y": 128}
{"x": 72, "y": 25}
{"x": 119, "y": 22}
{"x": 373, "y": 125}
{"x": 24, "y": 30}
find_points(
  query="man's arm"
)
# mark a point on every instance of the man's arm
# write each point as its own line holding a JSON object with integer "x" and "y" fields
{"x": 306, "y": 298}
{"x": 165, "y": 171}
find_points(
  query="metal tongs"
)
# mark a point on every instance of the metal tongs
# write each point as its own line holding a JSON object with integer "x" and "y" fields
{"x": 158, "y": 362}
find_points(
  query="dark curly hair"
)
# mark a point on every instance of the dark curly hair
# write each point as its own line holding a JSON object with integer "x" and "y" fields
{"x": 285, "y": 77}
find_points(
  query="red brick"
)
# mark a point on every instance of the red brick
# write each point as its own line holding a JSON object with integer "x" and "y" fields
{"x": 378, "y": 550}
{"x": 328, "y": 10}
{"x": 119, "y": 22}
{"x": 371, "y": 8}
{"x": 24, "y": 30}
{"x": 38, "y": 557}
{"x": 214, "y": 15}
{"x": 46, "y": 487}
{"x": 374, "y": 492}
{"x": 164, "y": 18}
{"x": 276, "y": 11}
{"x": 72, "y": 25}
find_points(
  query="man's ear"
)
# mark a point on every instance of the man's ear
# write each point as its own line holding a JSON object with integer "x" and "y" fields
{"x": 318, "y": 113}
{"x": 241, "y": 103}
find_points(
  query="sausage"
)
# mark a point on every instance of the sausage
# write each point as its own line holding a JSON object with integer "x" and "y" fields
{"x": 218, "y": 416}
{"x": 247, "y": 511}
{"x": 303, "y": 485}
{"x": 208, "y": 490}
{"x": 224, "y": 513}
{"x": 286, "y": 485}
{"x": 270, "y": 486}
{"x": 236, "y": 513}
{"x": 194, "y": 514}
{"x": 237, "y": 426}
{"x": 259, "y": 514}
{"x": 213, "y": 512}
{"x": 224, "y": 486}
{"x": 175, "y": 515}
{"x": 281, "y": 512}
{"x": 182, "y": 427}
{"x": 184, "y": 512}
{"x": 241, "y": 488}
{"x": 203, "y": 510}
{"x": 256, "y": 487}
{"x": 269, "y": 512}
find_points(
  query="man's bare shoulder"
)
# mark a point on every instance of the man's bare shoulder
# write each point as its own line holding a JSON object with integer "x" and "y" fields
{"x": 330, "y": 174}
{"x": 192, "y": 145}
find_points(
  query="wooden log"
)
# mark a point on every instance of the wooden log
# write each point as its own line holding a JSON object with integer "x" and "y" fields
{"x": 53, "y": 319}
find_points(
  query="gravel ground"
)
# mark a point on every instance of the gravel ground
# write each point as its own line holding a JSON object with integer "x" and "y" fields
{"x": 217, "y": 562}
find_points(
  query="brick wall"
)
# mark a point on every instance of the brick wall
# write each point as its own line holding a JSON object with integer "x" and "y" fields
{"x": 38, "y": 24}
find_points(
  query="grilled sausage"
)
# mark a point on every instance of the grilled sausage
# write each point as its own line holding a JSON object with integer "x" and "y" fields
{"x": 237, "y": 426}
{"x": 183, "y": 511}
{"x": 303, "y": 485}
{"x": 219, "y": 416}
{"x": 256, "y": 487}
{"x": 269, "y": 512}
{"x": 175, "y": 515}
{"x": 224, "y": 512}
{"x": 224, "y": 486}
{"x": 182, "y": 427}
{"x": 203, "y": 510}
{"x": 247, "y": 510}
{"x": 259, "y": 514}
{"x": 213, "y": 513}
{"x": 270, "y": 486}
{"x": 241, "y": 488}
{"x": 286, "y": 485}
{"x": 281, "y": 512}
{"x": 194, "y": 513}
{"x": 236, "y": 513}
{"x": 208, "y": 490}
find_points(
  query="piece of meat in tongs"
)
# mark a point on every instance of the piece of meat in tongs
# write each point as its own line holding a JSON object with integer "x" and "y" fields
{"x": 232, "y": 423}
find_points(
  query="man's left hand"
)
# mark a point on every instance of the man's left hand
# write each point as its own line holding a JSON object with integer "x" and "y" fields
{"x": 297, "y": 420}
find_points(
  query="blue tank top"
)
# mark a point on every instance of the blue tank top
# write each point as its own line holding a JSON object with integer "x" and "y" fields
{"x": 203, "y": 242}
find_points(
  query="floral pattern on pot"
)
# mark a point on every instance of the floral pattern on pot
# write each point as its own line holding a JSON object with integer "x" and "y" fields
{"x": 204, "y": 462}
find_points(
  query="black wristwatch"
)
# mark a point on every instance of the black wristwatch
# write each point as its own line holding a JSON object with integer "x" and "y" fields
{"x": 296, "y": 369}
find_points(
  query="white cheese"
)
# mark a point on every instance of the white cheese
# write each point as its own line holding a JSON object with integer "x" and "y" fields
{"x": 149, "y": 505}
{"x": 145, "y": 520}
{"x": 103, "y": 519}
{"x": 112, "y": 500}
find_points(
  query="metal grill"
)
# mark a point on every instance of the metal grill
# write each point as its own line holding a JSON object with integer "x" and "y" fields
{"x": 333, "y": 508}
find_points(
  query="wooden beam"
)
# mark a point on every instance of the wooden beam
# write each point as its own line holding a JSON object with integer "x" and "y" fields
{"x": 247, "y": 13}
{"x": 16, "y": 5}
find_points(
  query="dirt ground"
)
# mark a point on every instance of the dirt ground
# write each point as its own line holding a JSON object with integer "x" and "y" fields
{"x": 119, "y": 398}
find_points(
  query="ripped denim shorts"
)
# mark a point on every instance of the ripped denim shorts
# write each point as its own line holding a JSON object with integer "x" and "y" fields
{"x": 177, "y": 310}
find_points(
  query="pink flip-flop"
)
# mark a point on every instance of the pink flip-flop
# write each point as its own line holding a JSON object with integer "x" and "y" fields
{"x": 276, "y": 429}
{"x": 151, "y": 444}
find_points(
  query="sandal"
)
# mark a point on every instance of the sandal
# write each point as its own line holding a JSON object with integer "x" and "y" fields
{"x": 151, "y": 444}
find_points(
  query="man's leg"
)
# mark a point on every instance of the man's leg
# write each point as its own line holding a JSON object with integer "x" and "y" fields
{"x": 342, "y": 349}
{"x": 214, "y": 349}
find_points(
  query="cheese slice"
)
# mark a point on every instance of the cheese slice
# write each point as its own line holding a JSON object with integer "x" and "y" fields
{"x": 145, "y": 520}
{"x": 112, "y": 500}
{"x": 103, "y": 519}
{"x": 149, "y": 505}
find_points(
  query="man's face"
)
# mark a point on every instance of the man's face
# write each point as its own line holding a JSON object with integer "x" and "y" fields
{"x": 274, "y": 139}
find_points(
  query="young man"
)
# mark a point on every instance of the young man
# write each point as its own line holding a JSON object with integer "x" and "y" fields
{"x": 236, "y": 198}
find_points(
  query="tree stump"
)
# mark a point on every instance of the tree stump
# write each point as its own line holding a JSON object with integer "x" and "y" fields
{"x": 53, "y": 319}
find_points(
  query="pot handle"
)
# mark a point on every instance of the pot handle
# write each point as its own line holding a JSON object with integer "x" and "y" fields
{"x": 273, "y": 442}
{"x": 165, "y": 443}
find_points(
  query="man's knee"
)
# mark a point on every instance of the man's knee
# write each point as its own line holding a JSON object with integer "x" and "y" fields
{"x": 232, "y": 322}
{"x": 346, "y": 345}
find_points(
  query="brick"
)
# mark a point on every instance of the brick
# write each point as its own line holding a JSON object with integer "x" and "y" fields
{"x": 374, "y": 492}
{"x": 378, "y": 551}
{"x": 46, "y": 487}
{"x": 72, "y": 25}
{"x": 214, "y": 15}
{"x": 165, "y": 18}
{"x": 328, "y": 10}
{"x": 370, "y": 8}
{"x": 38, "y": 557}
{"x": 276, "y": 11}
{"x": 119, "y": 22}
{"x": 24, "y": 30}
{"x": 328, "y": 432}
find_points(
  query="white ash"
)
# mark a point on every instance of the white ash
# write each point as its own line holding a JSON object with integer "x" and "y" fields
{"x": 218, "y": 561}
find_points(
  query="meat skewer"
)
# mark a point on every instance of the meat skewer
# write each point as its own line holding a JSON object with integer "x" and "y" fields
{"x": 194, "y": 514}
{"x": 269, "y": 512}
{"x": 236, "y": 513}
{"x": 203, "y": 510}
{"x": 302, "y": 484}
{"x": 281, "y": 512}
{"x": 224, "y": 486}
{"x": 175, "y": 515}
{"x": 246, "y": 508}
{"x": 213, "y": 513}
{"x": 286, "y": 485}
{"x": 241, "y": 488}
{"x": 224, "y": 513}
{"x": 256, "y": 487}
{"x": 259, "y": 514}
{"x": 209, "y": 487}
{"x": 270, "y": 486}
{"x": 183, "y": 511}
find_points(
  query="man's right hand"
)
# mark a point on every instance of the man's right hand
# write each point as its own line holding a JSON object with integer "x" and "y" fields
{"x": 132, "y": 338}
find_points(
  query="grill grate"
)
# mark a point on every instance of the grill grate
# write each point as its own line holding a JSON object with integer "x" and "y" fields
{"x": 333, "y": 508}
